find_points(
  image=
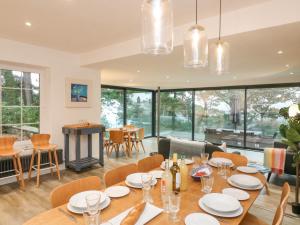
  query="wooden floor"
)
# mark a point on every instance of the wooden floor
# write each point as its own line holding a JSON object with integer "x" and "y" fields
{"x": 17, "y": 206}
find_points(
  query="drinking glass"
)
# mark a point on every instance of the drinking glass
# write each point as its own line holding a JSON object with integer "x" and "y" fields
{"x": 174, "y": 205}
{"x": 165, "y": 198}
{"x": 225, "y": 170}
{"x": 147, "y": 179}
{"x": 197, "y": 161}
{"x": 93, "y": 209}
{"x": 220, "y": 168}
{"x": 207, "y": 183}
{"x": 204, "y": 158}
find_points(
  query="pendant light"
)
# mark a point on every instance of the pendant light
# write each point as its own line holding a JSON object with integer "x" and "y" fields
{"x": 157, "y": 27}
{"x": 219, "y": 60}
{"x": 195, "y": 45}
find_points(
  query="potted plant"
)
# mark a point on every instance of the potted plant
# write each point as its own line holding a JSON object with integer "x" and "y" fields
{"x": 291, "y": 137}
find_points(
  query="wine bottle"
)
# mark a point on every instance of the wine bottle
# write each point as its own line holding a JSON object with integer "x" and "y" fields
{"x": 175, "y": 171}
{"x": 183, "y": 174}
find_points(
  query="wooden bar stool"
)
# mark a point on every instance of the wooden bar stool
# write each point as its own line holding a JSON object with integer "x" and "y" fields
{"x": 41, "y": 144}
{"x": 7, "y": 151}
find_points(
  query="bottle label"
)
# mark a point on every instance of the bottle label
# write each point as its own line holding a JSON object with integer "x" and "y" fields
{"x": 178, "y": 180}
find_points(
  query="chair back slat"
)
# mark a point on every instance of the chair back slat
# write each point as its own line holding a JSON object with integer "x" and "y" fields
{"x": 238, "y": 160}
{"x": 116, "y": 136}
{"x": 7, "y": 143}
{"x": 150, "y": 163}
{"x": 61, "y": 194}
{"x": 119, "y": 174}
{"x": 40, "y": 140}
{"x": 141, "y": 133}
{"x": 278, "y": 218}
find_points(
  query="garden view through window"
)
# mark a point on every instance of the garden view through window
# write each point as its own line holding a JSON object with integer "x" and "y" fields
{"x": 20, "y": 103}
{"x": 246, "y": 117}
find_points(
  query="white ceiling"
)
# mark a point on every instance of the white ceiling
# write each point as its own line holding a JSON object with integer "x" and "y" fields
{"x": 79, "y": 26}
{"x": 253, "y": 57}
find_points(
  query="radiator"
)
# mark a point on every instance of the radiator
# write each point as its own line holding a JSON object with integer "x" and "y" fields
{"x": 7, "y": 164}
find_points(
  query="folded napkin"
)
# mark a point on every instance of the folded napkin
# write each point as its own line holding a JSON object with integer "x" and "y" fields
{"x": 274, "y": 158}
{"x": 149, "y": 212}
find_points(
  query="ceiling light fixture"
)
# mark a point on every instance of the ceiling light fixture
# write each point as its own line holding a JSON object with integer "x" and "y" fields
{"x": 167, "y": 77}
{"x": 280, "y": 52}
{"x": 287, "y": 65}
{"x": 195, "y": 45}
{"x": 138, "y": 71}
{"x": 28, "y": 24}
{"x": 219, "y": 61}
{"x": 157, "y": 27}
{"x": 292, "y": 73}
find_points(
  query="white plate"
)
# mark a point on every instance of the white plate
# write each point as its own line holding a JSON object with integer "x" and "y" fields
{"x": 213, "y": 161}
{"x": 245, "y": 188}
{"x": 81, "y": 211}
{"x": 247, "y": 169}
{"x": 221, "y": 202}
{"x": 138, "y": 186}
{"x": 246, "y": 181}
{"x": 136, "y": 179}
{"x": 200, "y": 218}
{"x": 227, "y": 215}
{"x": 78, "y": 200}
{"x": 117, "y": 191}
{"x": 157, "y": 174}
{"x": 236, "y": 193}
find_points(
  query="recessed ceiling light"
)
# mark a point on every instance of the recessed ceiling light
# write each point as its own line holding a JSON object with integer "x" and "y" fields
{"x": 130, "y": 80}
{"x": 292, "y": 73}
{"x": 188, "y": 81}
{"x": 28, "y": 24}
{"x": 234, "y": 77}
{"x": 287, "y": 65}
{"x": 280, "y": 52}
{"x": 138, "y": 71}
{"x": 167, "y": 77}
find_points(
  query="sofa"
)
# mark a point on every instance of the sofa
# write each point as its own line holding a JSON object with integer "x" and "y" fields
{"x": 164, "y": 147}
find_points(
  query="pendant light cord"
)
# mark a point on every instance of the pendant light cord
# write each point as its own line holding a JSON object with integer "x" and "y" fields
{"x": 196, "y": 11}
{"x": 220, "y": 19}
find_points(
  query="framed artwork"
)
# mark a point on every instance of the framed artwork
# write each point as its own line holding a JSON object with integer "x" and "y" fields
{"x": 78, "y": 93}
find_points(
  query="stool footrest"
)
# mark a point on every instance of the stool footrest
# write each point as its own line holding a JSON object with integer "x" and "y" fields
{"x": 51, "y": 166}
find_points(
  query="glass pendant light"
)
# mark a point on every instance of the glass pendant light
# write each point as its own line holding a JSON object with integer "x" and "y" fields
{"x": 219, "y": 54}
{"x": 157, "y": 27}
{"x": 195, "y": 45}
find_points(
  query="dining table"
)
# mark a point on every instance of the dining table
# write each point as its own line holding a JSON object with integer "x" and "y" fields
{"x": 129, "y": 133}
{"x": 189, "y": 204}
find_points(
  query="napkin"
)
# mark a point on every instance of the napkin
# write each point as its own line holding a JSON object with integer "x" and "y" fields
{"x": 148, "y": 214}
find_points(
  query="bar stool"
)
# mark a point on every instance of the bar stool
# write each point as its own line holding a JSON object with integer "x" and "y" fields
{"x": 7, "y": 151}
{"x": 41, "y": 144}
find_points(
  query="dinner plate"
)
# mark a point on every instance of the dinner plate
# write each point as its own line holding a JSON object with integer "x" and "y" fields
{"x": 245, "y": 188}
{"x": 246, "y": 181}
{"x": 78, "y": 200}
{"x": 247, "y": 169}
{"x": 186, "y": 161}
{"x": 214, "y": 161}
{"x": 200, "y": 218}
{"x": 72, "y": 209}
{"x": 136, "y": 179}
{"x": 157, "y": 174}
{"x": 138, "y": 186}
{"x": 215, "y": 213}
{"x": 117, "y": 191}
{"x": 221, "y": 202}
{"x": 236, "y": 193}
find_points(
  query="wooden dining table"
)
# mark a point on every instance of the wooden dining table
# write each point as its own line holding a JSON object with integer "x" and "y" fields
{"x": 128, "y": 132}
{"x": 189, "y": 204}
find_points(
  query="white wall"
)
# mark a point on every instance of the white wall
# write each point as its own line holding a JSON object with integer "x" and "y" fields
{"x": 55, "y": 67}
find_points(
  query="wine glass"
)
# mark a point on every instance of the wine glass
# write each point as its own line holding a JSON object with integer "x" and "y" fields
{"x": 147, "y": 179}
{"x": 174, "y": 205}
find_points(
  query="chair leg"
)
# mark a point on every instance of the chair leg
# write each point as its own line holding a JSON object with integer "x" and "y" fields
{"x": 143, "y": 146}
{"x": 16, "y": 168}
{"x": 38, "y": 169}
{"x": 56, "y": 163}
{"x": 21, "y": 172}
{"x": 31, "y": 164}
{"x": 50, "y": 161}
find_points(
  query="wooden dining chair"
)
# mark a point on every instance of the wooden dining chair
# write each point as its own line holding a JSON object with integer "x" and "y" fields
{"x": 237, "y": 160}
{"x": 150, "y": 163}
{"x": 129, "y": 126}
{"x": 117, "y": 140}
{"x": 106, "y": 141}
{"x": 61, "y": 194}
{"x": 7, "y": 151}
{"x": 119, "y": 174}
{"x": 138, "y": 140}
{"x": 251, "y": 219}
{"x": 41, "y": 144}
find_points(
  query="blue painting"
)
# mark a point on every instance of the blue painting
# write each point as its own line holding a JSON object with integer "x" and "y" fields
{"x": 79, "y": 93}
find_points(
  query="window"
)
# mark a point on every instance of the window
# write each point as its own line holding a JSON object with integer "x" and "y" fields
{"x": 263, "y": 120}
{"x": 176, "y": 114}
{"x": 139, "y": 109}
{"x": 20, "y": 103}
{"x": 112, "y": 111}
{"x": 219, "y": 116}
